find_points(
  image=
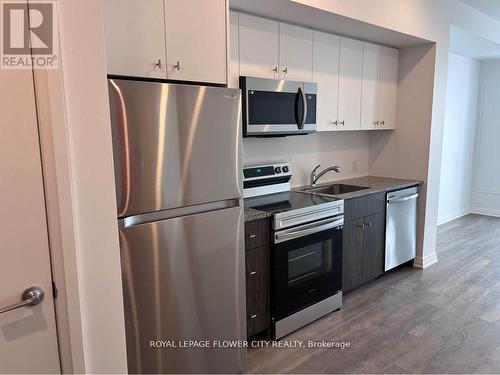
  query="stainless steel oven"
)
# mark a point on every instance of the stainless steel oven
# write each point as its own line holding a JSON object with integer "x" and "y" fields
{"x": 306, "y": 253}
{"x": 277, "y": 107}
{"x": 307, "y": 273}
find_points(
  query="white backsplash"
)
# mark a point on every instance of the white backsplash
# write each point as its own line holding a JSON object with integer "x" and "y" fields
{"x": 349, "y": 150}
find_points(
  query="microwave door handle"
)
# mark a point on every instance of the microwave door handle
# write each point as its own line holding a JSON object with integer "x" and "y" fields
{"x": 302, "y": 121}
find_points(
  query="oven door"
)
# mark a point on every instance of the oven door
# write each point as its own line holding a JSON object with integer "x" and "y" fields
{"x": 274, "y": 107}
{"x": 307, "y": 265}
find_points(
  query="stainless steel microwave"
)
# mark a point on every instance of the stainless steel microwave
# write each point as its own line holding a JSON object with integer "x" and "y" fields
{"x": 274, "y": 107}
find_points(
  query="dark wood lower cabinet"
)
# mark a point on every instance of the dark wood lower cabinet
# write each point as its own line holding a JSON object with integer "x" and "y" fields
{"x": 363, "y": 253}
{"x": 352, "y": 254}
{"x": 257, "y": 276}
{"x": 373, "y": 246}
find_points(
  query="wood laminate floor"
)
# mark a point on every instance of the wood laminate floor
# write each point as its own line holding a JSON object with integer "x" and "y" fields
{"x": 445, "y": 319}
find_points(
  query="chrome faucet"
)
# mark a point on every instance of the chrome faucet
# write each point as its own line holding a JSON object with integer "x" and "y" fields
{"x": 315, "y": 177}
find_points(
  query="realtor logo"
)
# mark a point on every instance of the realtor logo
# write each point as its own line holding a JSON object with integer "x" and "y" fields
{"x": 29, "y": 35}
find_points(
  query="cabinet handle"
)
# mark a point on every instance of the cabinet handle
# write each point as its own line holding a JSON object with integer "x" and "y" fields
{"x": 362, "y": 225}
{"x": 178, "y": 65}
{"x": 285, "y": 70}
{"x": 375, "y": 123}
{"x": 253, "y": 316}
{"x": 334, "y": 123}
{"x": 158, "y": 64}
{"x": 342, "y": 122}
{"x": 382, "y": 122}
{"x": 275, "y": 69}
{"x": 253, "y": 273}
{"x": 369, "y": 224}
{"x": 253, "y": 235}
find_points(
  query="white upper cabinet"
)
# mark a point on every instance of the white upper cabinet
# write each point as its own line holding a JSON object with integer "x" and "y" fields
{"x": 135, "y": 38}
{"x": 370, "y": 86}
{"x": 234, "y": 58}
{"x": 174, "y": 39}
{"x": 258, "y": 46}
{"x": 388, "y": 87}
{"x": 196, "y": 40}
{"x": 295, "y": 52}
{"x": 350, "y": 73}
{"x": 326, "y": 49}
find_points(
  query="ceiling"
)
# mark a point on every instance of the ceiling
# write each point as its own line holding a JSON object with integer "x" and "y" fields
{"x": 488, "y": 7}
{"x": 302, "y": 15}
{"x": 466, "y": 44}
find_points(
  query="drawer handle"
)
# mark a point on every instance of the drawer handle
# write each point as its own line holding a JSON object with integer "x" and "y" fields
{"x": 253, "y": 235}
{"x": 253, "y": 316}
{"x": 253, "y": 272}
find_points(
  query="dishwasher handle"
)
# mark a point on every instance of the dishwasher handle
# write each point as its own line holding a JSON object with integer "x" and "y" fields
{"x": 402, "y": 199}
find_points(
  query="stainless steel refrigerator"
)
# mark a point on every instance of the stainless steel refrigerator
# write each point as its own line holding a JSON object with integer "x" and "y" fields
{"x": 177, "y": 156}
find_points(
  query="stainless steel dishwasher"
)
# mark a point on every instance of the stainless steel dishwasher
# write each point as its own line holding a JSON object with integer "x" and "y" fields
{"x": 401, "y": 227}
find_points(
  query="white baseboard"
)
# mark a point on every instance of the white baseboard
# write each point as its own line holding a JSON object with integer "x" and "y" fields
{"x": 426, "y": 261}
{"x": 454, "y": 215}
{"x": 485, "y": 211}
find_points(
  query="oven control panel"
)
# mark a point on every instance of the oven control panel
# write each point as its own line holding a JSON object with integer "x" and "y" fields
{"x": 266, "y": 171}
{"x": 266, "y": 179}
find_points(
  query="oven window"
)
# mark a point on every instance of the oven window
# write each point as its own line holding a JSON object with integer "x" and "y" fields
{"x": 309, "y": 262}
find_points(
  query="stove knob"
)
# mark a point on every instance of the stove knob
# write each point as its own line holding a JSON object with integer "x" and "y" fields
{"x": 285, "y": 169}
{"x": 277, "y": 169}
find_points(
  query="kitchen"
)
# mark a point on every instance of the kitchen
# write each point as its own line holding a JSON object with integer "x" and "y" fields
{"x": 252, "y": 184}
{"x": 304, "y": 246}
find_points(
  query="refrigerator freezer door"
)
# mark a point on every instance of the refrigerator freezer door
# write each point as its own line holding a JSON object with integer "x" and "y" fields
{"x": 183, "y": 279}
{"x": 174, "y": 145}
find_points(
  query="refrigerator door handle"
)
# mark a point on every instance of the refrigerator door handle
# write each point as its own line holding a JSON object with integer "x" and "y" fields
{"x": 178, "y": 212}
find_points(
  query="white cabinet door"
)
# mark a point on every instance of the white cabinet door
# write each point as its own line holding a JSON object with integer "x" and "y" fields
{"x": 370, "y": 86}
{"x": 350, "y": 71}
{"x": 326, "y": 75}
{"x": 388, "y": 88}
{"x": 295, "y": 53}
{"x": 135, "y": 38}
{"x": 258, "y": 44}
{"x": 196, "y": 40}
{"x": 234, "y": 58}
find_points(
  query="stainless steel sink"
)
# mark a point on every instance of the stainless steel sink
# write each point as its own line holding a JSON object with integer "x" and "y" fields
{"x": 334, "y": 189}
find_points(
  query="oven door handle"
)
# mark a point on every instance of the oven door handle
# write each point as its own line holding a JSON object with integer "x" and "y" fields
{"x": 307, "y": 230}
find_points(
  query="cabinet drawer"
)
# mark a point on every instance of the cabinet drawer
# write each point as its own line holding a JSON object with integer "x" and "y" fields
{"x": 257, "y": 289}
{"x": 367, "y": 205}
{"x": 256, "y": 233}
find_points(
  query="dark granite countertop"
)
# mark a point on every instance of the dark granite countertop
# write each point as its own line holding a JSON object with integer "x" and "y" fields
{"x": 251, "y": 214}
{"x": 374, "y": 184}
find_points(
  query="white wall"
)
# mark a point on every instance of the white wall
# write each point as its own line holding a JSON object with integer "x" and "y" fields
{"x": 460, "y": 121}
{"x": 349, "y": 150}
{"x": 93, "y": 202}
{"x": 482, "y": 202}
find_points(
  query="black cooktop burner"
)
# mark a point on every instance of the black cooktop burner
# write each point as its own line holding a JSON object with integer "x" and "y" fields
{"x": 286, "y": 201}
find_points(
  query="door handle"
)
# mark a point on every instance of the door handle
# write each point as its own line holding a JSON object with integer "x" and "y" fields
{"x": 30, "y": 297}
{"x": 302, "y": 121}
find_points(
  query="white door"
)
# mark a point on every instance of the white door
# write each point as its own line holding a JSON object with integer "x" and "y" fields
{"x": 28, "y": 341}
{"x": 196, "y": 40}
{"x": 350, "y": 72}
{"x": 295, "y": 53}
{"x": 388, "y": 87}
{"x": 134, "y": 33}
{"x": 258, "y": 43}
{"x": 370, "y": 86}
{"x": 326, "y": 75}
{"x": 234, "y": 58}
